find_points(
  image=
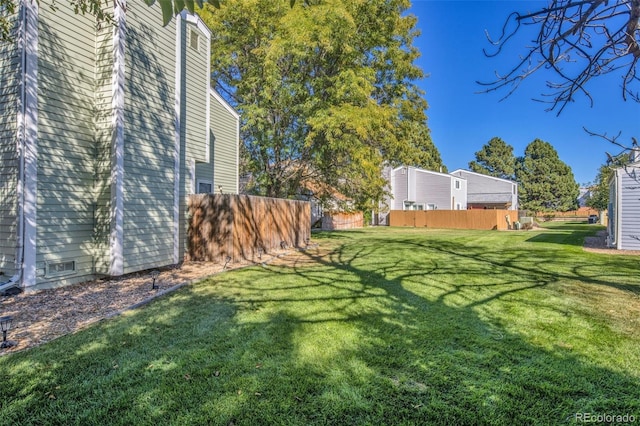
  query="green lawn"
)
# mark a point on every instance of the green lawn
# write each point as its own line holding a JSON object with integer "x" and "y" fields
{"x": 379, "y": 326}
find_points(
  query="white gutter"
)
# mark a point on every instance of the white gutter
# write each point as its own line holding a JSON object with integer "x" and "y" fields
{"x": 26, "y": 147}
{"x": 176, "y": 148}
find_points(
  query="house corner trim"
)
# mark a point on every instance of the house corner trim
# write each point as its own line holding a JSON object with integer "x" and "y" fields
{"x": 176, "y": 152}
{"x": 116, "y": 246}
{"x": 28, "y": 146}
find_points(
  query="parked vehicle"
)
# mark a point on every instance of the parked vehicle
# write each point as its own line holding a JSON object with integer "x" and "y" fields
{"x": 593, "y": 218}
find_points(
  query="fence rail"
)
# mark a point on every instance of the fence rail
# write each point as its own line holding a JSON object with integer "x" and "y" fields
{"x": 244, "y": 227}
{"x": 454, "y": 219}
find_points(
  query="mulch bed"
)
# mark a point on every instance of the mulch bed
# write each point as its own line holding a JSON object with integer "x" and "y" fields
{"x": 44, "y": 315}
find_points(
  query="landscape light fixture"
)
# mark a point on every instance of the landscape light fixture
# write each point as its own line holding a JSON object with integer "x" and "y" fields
{"x": 260, "y": 250}
{"x": 227, "y": 260}
{"x": 154, "y": 276}
{"x": 5, "y": 325}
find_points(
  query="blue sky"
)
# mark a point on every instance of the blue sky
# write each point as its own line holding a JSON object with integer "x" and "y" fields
{"x": 462, "y": 121}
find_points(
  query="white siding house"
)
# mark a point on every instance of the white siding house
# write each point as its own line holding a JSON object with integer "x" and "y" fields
{"x": 488, "y": 192}
{"x": 419, "y": 189}
{"x": 412, "y": 188}
{"x": 624, "y": 206}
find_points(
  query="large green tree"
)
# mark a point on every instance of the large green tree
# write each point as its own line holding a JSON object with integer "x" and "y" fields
{"x": 327, "y": 92}
{"x": 599, "y": 191}
{"x": 599, "y": 198}
{"x": 545, "y": 182}
{"x": 495, "y": 159}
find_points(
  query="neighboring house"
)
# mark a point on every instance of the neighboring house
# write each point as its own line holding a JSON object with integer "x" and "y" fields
{"x": 624, "y": 205}
{"x": 419, "y": 189}
{"x": 411, "y": 188}
{"x": 488, "y": 192}
{"x": 335, "y": 203}
{"x": 584, "y": 196}
{"x": 103, "y": 130}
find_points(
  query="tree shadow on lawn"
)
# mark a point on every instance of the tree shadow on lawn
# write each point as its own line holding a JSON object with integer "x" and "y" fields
{"x": 567, "y": 238}
{"x": 350, "y": 337}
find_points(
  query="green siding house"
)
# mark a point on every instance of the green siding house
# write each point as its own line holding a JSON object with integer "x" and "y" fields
{"x": 105, "y": 130}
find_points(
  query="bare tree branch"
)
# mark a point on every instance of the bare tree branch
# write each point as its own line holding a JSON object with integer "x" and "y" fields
{"x": 577, "y": 41}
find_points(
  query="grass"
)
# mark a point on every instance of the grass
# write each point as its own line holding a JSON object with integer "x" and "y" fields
{"x": 379, "y": 326}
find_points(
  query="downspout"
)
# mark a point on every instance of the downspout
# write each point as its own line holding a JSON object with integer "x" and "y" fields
{"x": 618, "y": 224}
{"x": 16, "y": 279}
{"x": 408, "y": 187}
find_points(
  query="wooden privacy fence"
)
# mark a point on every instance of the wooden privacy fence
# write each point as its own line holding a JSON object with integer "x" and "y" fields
{"x": 337, "y": 221}
{"x": 454, "y": 219}
{"x": 244, "y": 227}
{"x": 582, "y": 212}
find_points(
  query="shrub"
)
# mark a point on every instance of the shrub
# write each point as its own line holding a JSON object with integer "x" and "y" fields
{"x": 548, "y": 217}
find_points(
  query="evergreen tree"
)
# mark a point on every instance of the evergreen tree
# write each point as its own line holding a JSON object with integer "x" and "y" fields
{"x": 327, "y": 92}
{"x": 545, "y": 182}
{"x": 495, "y": 159}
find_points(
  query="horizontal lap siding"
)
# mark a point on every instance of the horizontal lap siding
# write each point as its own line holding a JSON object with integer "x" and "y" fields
{"x": 433, "y": 189}
{"x": 66, "y": 87}
{"x": 630, "y": 209}
{"x": 399, "y": 187}
{"x": 204, "y": 172}
{"x": 459, "y": 195}
{"x": 149, "y": 138}
{"x": 224, "y": 126}
{"x": 10, "y": 66}
{"x": 196, "y": 93}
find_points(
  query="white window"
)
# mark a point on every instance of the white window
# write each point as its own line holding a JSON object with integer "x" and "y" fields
{"x": 205, "y": 187}
{"x": 431, "y": 207}
{"x": 64, "y": 267}
{"x": 458, "y": 206}
{"x": 194, "y": 39}
{"x": 457, "y": 184}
